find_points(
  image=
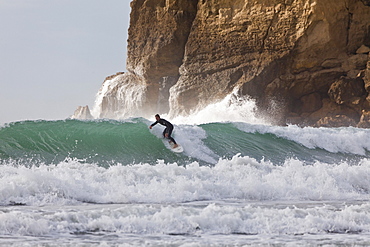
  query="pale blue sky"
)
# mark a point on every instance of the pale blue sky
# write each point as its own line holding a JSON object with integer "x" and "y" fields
{"x": 55, "y": 54}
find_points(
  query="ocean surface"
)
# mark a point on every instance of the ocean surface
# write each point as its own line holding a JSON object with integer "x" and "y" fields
{"x": 114, "y": 183}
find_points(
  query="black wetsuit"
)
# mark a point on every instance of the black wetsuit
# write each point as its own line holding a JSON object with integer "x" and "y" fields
{"x": 168, "y": 129}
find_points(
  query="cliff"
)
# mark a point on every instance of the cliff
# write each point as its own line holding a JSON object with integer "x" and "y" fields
{"x": 303, "y": 61}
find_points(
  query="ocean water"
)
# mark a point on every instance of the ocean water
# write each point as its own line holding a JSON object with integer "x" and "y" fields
{"x": 114, "y": 183}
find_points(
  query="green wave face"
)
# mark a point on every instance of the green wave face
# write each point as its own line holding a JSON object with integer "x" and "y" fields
{"x": 108, "y": 142}
{"x": 100, "y": 142}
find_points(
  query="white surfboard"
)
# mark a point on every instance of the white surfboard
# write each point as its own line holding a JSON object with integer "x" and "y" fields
{"x": 169, "y": 145}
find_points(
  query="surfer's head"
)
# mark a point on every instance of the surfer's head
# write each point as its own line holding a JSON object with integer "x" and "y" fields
{"x": 157, "y": 117}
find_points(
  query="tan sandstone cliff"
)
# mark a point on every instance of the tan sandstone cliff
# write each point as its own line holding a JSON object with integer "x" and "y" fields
{"x": 304, "y": 61}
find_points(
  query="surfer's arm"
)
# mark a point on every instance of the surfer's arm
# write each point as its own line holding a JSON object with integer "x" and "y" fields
{"x": 150, "y": 127}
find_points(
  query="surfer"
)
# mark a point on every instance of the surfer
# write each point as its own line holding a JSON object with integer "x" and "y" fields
{"x": 167, "y": 131}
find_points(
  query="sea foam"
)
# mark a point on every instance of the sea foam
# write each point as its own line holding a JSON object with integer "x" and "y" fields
{"x": 240, "y": 178}
{"x": 345, "y": 140}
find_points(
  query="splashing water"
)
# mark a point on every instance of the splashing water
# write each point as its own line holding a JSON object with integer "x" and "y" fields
{"x": 232, "y": 108}
{"x": 119, "y": 99}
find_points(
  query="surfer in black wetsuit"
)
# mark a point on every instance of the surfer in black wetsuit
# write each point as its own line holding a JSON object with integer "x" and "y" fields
{"x": 167, "y": 131}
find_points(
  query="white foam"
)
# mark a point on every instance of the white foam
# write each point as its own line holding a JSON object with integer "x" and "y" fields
{"x": 241, "y": 178}
{"x": 185, "y": 219}
{"x": 232, "y": 108}
{"x": 190, "y": 137}
{"x": 236, "y": 196}
{"x": 344, "y": 140}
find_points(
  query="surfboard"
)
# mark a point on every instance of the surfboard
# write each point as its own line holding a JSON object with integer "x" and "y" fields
{"x": 169, "y": 145}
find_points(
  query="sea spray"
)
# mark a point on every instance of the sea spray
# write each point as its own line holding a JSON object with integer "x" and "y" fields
{"x": 119, "y": 98}
{"x": 232, "y": 108}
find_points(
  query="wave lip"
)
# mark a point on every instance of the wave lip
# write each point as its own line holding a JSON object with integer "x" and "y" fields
{"x": 107, "y": 142}
{"x": 335, "y": 140}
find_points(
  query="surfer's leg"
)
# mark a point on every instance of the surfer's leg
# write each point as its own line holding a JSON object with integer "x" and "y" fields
{"x": 172, "y": 140}
{"x": 169, "y": 131}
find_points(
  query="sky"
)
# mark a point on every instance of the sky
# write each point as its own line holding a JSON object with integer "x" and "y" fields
{"x": 55, "y": 54}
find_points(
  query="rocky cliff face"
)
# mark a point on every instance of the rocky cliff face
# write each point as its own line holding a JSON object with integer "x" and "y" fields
{"x": 304, "y": 61}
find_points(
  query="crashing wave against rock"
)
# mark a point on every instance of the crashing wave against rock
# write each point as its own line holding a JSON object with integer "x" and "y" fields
{"x": 309, "y": 58}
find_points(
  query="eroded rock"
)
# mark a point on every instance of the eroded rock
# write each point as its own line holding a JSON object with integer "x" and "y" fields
{"x": 186, "y": 54}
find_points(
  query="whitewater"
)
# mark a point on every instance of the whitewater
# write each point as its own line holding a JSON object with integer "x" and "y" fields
{"x": 239, "y": 182}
